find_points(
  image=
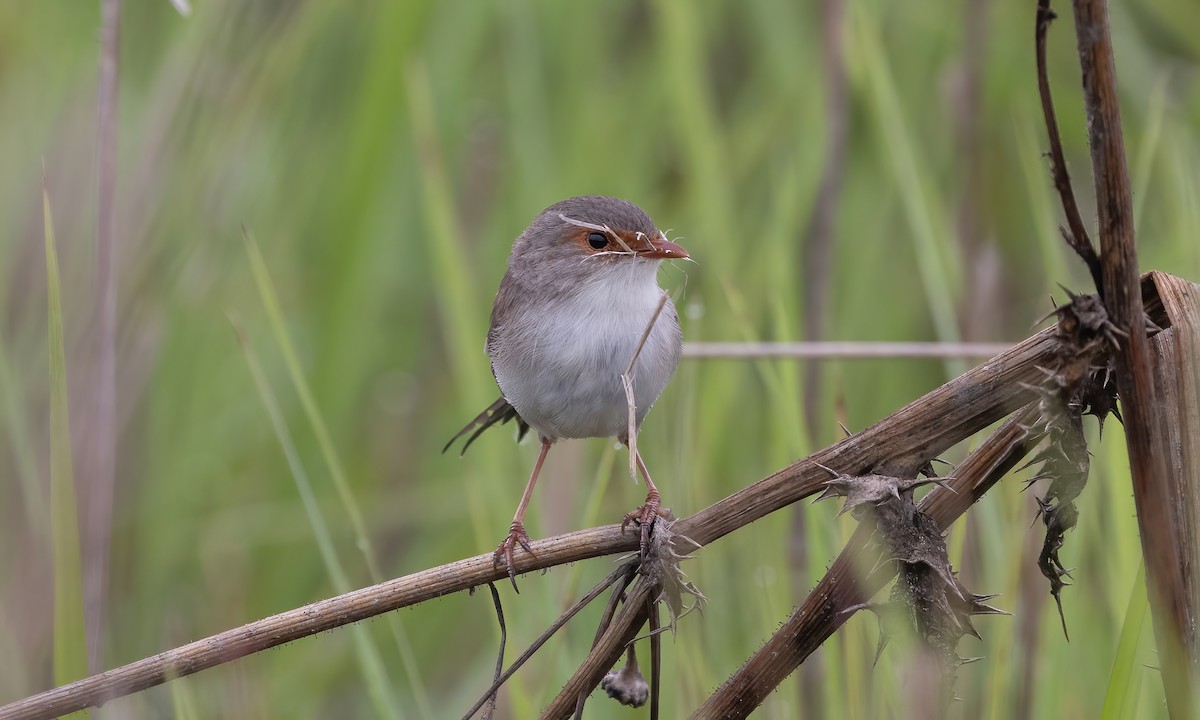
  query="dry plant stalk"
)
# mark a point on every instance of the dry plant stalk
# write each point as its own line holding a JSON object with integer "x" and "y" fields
{"x": 1176, "y": 361}
{"x": 842, "y": 588}
{"x": 1153, "y": 493}
{"x": 1116, "y": 276}
{"x": 1077, "y": 235}
{"x": 489, "y": 704}
{"x": 627, "y": 383}
{"x": 841, "y": 591}
{"x": 838, "y": 349}
{"x": 810, "y": 626}
{"x": 923, "y": 428}
{"x": 896, "y": 445}
{"x": 619, "y": 578}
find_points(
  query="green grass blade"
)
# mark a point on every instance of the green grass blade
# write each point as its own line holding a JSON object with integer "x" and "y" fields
{"x": 266, "y": 290}
{"x": 1124, "y": 682}
{"x": 70, "y": 639}
{"x": 368, "y": 654}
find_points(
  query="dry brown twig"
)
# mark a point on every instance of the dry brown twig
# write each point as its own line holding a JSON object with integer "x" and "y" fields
{"x": 1077, "y": 235}
{"x": 923, "y": 428}
{"x": 1148, "y": 450}
{"x": 818, "y": 350}
{"x": 627, "y": 383}
{"x": 655, "y": 661}
{"x": 817, "y": 619}
{"x": 490, "y": 699}
{"x": 625, "y": 571}
{"x": 1115, "y": 272}
{"x": 782, "y": 654}
{"x": 961, "y": 408}
{"x": 824, "y": 610}
{"x": 610, "y": 608}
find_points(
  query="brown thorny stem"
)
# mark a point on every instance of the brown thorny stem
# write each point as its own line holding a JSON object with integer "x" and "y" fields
{"x": 1115, "y": 273}
{"x": 1076, "y": 233}
{"x": 1153, "y": 492}
{"x": 923, "y": 428}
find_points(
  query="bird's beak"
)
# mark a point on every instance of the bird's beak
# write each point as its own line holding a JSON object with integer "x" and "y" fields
{"x": 663, "y": 249}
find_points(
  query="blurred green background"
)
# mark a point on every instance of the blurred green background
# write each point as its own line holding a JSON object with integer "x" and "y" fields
{"x": 384, "y": 155}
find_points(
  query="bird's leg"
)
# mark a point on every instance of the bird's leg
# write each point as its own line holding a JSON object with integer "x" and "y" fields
{"x": 646, "y": 514}
{"x": 516, "y": 531}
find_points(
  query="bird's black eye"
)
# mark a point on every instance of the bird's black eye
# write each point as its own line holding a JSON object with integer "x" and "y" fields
{"x": 597, "y": 240}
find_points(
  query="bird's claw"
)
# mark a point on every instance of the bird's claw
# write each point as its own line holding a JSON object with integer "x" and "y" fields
{"x": 516, "y": 536}
{"x": 644, "y": 518}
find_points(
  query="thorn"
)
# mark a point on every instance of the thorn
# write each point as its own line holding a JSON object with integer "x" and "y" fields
{"x": 942, "y": 482}
{"x": 1070, "y": 295}
{"x": 1050, "y": 374}
{"x": 829, "y": 470}
{"x": 981, "y": 609}
{"x": 1061, "y": 615}
{"x": 969, "y": 628}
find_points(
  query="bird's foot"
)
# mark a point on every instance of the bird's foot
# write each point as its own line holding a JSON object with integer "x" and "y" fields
{"x": 644, "y": 518}
{"x": 516, "y": 536}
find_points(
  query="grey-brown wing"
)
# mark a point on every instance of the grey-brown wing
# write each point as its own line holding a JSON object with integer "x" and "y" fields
{"x": 498, "y": 412}
{"x": 506, "y": 297}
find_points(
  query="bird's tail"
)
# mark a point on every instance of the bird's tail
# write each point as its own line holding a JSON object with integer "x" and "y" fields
{"x": 498, "y": 412}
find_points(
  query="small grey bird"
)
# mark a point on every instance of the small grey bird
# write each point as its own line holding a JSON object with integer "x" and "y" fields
{"x": 580, "y": 290}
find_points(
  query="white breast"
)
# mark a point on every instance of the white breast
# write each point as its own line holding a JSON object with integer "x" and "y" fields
{"x": 560, "y": 366}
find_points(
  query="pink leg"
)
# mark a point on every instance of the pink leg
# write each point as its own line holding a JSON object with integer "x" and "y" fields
{"x": 516, "y": 531}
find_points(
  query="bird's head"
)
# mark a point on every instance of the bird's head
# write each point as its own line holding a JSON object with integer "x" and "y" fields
{"x": 590, "y": 235}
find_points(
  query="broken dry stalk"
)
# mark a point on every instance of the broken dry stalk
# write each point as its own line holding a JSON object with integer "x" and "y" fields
{"x": 1153, "y": 494}
{"x": 616, "y": 638}
{"x": 627, "y": 383}
{"x": 490, "y": 704}
{"x": 923, "y": 428}
{"x": 625, "y": 571}
{"x": 614, "y": 599}
{"x": 823, "y": 611}
{"x": 1077, "y": 236}
{"x": 655, "y": 662}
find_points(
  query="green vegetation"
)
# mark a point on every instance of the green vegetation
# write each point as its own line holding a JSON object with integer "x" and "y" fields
{"x": 384, "y": 155}
{"x": 70, "y": 642}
